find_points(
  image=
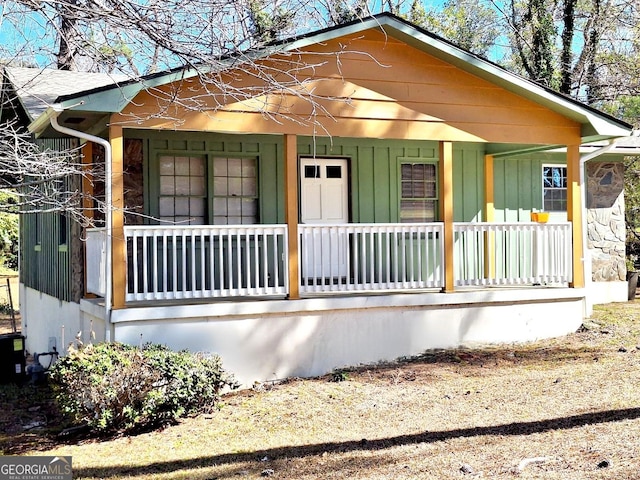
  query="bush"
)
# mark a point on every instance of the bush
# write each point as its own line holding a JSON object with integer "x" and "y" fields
{"x": 9, "y": 230}
{"x": 115, "y": 387}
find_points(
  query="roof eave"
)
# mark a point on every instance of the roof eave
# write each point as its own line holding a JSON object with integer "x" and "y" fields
{"x": 41, "y": 123}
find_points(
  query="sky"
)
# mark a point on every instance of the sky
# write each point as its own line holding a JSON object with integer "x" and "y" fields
{"x": 28, "y": 35}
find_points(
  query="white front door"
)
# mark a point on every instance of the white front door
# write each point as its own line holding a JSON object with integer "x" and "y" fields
{"x": 324, "y": 199}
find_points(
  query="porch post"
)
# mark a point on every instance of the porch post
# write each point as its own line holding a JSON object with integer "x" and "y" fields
{"x": 489, "y": 216}
{"x": 574, "y": 210}
{"x": 446, "y": 210}
{"x": 87, "y": 197}
{"x": 291, "y": 211}
{"x": 87, "y": 184}
{"x": 118, "y": 244}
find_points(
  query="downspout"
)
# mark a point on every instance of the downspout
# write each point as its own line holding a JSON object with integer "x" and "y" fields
{"x": 57, "y": 110}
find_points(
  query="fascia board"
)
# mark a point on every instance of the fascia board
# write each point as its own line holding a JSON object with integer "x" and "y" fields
{"x": 114, "y": 98}
{"x": 603, "y": 126}
{"x": 42, "y": 122}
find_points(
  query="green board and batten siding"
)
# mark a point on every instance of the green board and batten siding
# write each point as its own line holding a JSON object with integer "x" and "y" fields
{"x": 50, "y": 246}
{"x": 374, "y": 169}
{"x": 518, "y": 186}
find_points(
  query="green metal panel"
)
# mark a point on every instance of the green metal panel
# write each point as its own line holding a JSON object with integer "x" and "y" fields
{"x": 381, "y": 172}
{"x": 271, "y": 184}
{"x": 365, "y": 180}
{"x": 45, "y": 263}
{"x": 512, "y": 185}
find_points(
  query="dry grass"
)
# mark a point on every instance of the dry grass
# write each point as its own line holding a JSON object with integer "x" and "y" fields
{"x": 571, "y": 404}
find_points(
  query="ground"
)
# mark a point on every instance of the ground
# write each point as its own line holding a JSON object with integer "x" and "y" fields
{"x": 565, "y": 408}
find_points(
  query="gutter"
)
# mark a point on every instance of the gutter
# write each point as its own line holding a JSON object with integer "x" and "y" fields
{"x": 55, "y": 111}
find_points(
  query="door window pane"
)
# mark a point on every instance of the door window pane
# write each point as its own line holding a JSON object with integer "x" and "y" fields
{"x": 334, "y": 171}
{"x": 311, "y": 171}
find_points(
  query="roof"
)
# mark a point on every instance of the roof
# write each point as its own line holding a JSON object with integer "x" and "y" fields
{"x": 37, "y": 89}
{"x": 112, "y": 97}
{"x": 628, "y": 146}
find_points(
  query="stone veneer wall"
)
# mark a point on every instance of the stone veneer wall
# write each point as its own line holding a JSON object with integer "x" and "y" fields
{"x": 605, "y": 220}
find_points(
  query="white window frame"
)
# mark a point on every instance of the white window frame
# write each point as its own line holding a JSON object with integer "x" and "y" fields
{"x": 545, "y": 188}
{"x": 435, "y": 198}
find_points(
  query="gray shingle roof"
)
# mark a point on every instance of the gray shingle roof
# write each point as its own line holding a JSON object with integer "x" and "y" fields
{"x": 38, "y": 88}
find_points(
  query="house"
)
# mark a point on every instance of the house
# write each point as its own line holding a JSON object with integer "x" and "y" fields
{"x": 380, "y": 205}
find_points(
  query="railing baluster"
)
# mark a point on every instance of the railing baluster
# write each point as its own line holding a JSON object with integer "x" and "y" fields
{"x": 154, "y": 255}
{"x": 170, "y": 262}
{"x": 522, "y": 253}
{"x": 134, "y": 258}
{"x": 145, "y": 266}
{"x": 165, "y": 265}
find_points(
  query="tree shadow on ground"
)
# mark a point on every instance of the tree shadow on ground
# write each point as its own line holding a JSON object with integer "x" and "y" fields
{"x": 301, "y": 451}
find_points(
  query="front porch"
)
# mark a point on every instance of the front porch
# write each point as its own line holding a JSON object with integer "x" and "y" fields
{"x": 175, "y": 263}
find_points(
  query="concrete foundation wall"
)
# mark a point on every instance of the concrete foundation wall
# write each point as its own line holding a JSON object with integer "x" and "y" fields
{"x": 261, "y": 341}
{"x": 47, "y": 320}
{"x": 607, "y": 292}
{"x": 267, "y": 340}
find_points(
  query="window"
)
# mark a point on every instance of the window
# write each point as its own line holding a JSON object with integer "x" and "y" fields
{"x": 554, "y": 188}
{"x": 419, "y": 193}
{"x": 183, "y": 190}
{"x": 235, "y": 191}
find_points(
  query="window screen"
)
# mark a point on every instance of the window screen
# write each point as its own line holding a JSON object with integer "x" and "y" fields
{"x": 419, "y": 195}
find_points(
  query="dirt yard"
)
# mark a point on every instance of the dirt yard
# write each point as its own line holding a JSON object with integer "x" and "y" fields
{"x": 566, "y": 409}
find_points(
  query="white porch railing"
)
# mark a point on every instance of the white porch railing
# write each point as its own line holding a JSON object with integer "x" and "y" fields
{"x": 185, "y": 262}
{"x": 512, "y": 253}
{"x": 370, "y": 257}
{"x": 179, "y": 262}
{"x": 96, "y": 257}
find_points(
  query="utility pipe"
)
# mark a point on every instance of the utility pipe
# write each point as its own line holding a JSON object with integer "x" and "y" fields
{"x": 57, "y": 110}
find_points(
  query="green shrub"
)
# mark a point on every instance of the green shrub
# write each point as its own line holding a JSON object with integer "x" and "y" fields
{"x": 9, "y": 230}
{"x": 116, "y": 387}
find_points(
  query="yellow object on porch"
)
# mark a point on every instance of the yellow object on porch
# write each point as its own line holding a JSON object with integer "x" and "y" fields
{"x": 540, "y": 217}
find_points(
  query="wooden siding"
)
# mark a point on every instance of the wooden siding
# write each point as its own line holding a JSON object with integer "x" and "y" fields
{"x": 268, "y": 150}
{"x": 518, "y": 185}
{"x": 468, "y": 183}
{"x": 373, "y": 170}
{"x": 375, "y": 87}
{"x": 50, "y": 247}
